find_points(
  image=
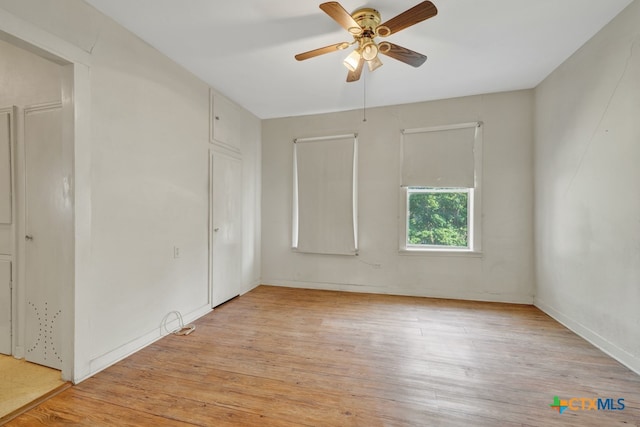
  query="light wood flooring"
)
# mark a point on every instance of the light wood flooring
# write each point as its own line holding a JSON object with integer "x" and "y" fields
{"x": 22, "y": 383}
{"x": 290, "y": 357}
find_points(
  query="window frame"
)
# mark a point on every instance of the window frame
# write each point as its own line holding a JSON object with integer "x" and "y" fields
{"x": 475, "y": 200}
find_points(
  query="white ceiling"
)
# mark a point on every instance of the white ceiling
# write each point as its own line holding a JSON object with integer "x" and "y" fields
{"x": 246, "y": 49}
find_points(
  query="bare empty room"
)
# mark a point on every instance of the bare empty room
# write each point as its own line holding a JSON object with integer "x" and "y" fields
{"x": 381, "y": 213}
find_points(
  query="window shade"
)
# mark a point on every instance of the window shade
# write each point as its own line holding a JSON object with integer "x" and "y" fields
{"x": 325, "y": 210}
{"x": 439, "y": 156}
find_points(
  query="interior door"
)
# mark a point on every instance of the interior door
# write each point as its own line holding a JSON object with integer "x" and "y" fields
{"x": 48, "y": 210}
{"x": 226, "y": 227}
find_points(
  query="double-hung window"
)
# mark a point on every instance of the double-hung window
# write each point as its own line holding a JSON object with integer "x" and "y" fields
{"x": 440, "y": 188}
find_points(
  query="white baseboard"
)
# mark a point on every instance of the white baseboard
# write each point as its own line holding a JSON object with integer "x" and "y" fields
{"x": 104, "y": 361}
{"x": 629, "y": 360}
{"x": 427, "y": 293}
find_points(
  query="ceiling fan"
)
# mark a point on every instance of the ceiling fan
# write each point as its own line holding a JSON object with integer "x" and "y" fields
{"x": 364, "y": 25}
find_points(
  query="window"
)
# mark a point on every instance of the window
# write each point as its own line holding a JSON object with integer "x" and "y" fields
{"x": 440, "y": 188}
{"x": 325, "y": 210}
{"x": 439, "y": 217}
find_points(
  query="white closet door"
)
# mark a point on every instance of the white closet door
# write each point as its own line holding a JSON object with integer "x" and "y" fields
{"x": 48, "y": 220}
{"x": 226, "y": 227}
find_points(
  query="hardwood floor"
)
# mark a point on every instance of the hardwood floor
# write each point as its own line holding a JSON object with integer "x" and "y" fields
{"x": 290, "y": 357}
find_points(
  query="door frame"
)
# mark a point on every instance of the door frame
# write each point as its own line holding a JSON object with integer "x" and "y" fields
{"x": 13, "y": 113}
{"x": 76, "y": 102}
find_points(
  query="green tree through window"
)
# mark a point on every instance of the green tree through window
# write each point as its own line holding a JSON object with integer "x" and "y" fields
{"x": 438, "y": 217}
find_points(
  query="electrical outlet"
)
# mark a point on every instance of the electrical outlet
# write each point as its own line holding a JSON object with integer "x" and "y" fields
{"x": 176, "y": 252}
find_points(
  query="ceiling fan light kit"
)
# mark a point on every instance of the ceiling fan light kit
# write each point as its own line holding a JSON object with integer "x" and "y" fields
{"x": 364, "y": 26}
{"x": 374, "y": 64}
{"x": 369, "y": 50}
{"x": 352, "y": 61}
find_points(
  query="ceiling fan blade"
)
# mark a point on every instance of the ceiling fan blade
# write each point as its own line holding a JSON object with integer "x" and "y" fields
{"x": 403, "y": 54}
{"x": 353, "y": 76}
{"x": 321, "y": 51}
{"x": 341, "y": 16}
{"x": 418, "y": 13}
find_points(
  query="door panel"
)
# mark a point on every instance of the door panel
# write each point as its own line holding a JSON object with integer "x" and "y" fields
{"x": 48, "y": 218}
{"x": 226, "y": 223}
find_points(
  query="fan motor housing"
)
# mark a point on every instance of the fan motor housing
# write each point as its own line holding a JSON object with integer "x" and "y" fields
{"x": 367, "y": 18}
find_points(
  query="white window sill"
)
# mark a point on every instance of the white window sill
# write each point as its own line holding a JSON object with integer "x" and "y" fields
{"x": 441, "y": 252}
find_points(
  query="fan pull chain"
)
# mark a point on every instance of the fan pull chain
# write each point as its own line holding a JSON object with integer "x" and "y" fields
{"x": 364, "y": 97}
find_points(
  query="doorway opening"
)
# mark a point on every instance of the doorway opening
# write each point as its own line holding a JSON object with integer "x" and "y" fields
{"x": 36, "y": 220}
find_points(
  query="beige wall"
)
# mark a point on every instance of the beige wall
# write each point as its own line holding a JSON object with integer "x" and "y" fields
{"x": 27, "y": 79}
{"x": 503, "y": 272}
{"x": 587, "y": 209}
